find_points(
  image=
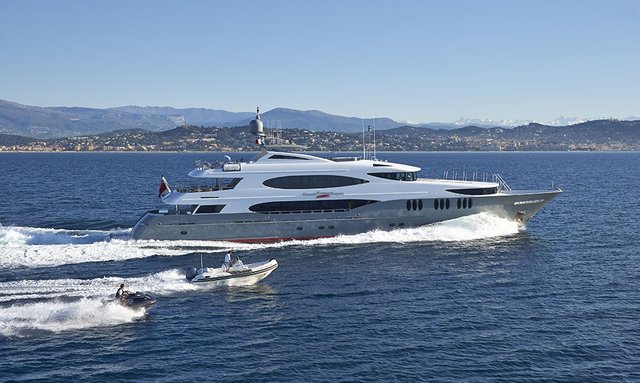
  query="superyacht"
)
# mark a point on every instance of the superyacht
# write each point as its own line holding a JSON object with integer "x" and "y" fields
{"x": 284, "y": 195}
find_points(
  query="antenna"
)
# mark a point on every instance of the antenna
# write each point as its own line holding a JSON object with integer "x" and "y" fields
{"x": 374, "y": 139}
{"x": 364, "y": 142}
{"x": 201, "y": 263}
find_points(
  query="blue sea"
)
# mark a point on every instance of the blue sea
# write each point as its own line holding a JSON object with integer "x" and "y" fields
{"x": 477, "y": 299}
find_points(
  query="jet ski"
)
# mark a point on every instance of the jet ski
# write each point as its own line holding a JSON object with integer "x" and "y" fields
{"x": 238, "y": 274}
{"x": 137, "y": 300}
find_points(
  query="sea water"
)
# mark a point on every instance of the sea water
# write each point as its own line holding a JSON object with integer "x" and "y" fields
{"x": 473, "y": 299}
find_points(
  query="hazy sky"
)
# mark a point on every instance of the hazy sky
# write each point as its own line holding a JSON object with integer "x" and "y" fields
{"x": 408, "y": 60}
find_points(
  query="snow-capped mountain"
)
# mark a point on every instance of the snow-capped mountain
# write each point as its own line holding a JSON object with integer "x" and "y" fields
{"x": 560, "y": 121}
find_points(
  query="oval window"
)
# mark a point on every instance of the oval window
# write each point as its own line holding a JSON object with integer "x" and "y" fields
{"x": 470, "y": 203}
{"x": 448, "y": 203}
{"x": 419, "y": 204}
{"x": 459, "y": 203}
{"x": 435, "y": 204}
{"x": 408, "y": 205}
{"x": 441, "y": 204}
{"x": 464, "y": 203}
{"x": 414, "y": 204}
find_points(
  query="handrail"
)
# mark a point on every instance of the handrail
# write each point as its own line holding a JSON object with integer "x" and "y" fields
{"x": 503, "y": 184}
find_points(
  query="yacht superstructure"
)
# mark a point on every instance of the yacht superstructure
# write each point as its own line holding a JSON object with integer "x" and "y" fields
{"x": 285, "y": 195}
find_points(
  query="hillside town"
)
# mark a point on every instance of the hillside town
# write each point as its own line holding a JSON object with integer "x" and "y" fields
{"x": 604, "y": 135}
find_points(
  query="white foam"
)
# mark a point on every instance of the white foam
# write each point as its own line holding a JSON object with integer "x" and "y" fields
{"x": 34, "y": 247}
{"x": 59, "y": 316}
{"x": 461, "y": 229}
{"x": 71, "y": 304}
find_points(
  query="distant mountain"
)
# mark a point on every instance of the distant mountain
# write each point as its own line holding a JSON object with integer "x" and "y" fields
{"x": 55, "y": 122}
{"x": 52, "y": 122}
{"x": 191, "y": 116}
{"x": 316, "y": 121}
{"x": 11, "y": 139}
{"x": 488, "y": 123}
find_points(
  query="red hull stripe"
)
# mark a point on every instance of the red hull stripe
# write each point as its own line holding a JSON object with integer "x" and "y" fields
{"x": 275, "y": 239}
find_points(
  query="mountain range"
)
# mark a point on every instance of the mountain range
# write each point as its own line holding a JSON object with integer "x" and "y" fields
{"x": 55, "y": 122}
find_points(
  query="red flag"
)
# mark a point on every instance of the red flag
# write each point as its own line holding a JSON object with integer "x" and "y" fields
{"x": 164, "y": 186}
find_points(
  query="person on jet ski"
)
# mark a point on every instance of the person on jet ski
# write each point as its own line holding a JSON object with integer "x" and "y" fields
{"x": 122, "y": 293}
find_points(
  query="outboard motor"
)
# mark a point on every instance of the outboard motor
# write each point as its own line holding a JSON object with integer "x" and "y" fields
{"x": 190, "y": 273}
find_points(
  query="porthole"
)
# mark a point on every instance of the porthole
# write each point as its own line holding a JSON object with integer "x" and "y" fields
{"x": 401, "y": 224}
{"x": 183, "y": 232}
{"x": 299, "y": 228}
{"x": 332, "y": 227}
{"x": 392, "y": 224}
{"x": 408, "y": 205}
{"x": 459, "y": 203}
{"x": 464, "y": 203}
{"x": 414, "y": 204}
{"x": 419, "y": 204}
{"x": 470, "y": 203}
{"x": 448, "y": 204}
{"x": 441, "y": 204}
{"x": 435, "y": 204}
{"x": 321, "y": 227}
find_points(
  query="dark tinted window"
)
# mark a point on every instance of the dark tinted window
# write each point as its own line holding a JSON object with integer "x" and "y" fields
{"x": 307, "y": 206}
{"x": 397, "y": 176}
{"x": 312, "y": 182}
{"x": 475, "y": 191}
{"x": 285, "y": 157}
{"x": 204, "y": 209}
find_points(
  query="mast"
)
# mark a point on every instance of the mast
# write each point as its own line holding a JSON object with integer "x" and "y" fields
{"x": 257, "y": 128}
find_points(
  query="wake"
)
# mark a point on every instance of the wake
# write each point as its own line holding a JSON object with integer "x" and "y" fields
{"x": 40, "y": 247}
{"x": 57, "y": 305}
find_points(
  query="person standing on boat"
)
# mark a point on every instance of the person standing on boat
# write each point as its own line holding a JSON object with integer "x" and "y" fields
{"x": 227, "y": 261}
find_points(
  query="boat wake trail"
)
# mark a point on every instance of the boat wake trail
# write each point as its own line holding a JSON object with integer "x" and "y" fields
{"x": 71, "y": 304}
{"x": 38, "y": 247}
{"x": 35, "y": 247}
{"x": 56, "y": 316}
{"x": 469, "y": 228}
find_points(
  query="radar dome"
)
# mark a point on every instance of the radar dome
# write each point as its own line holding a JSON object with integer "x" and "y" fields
{"x": 256, "y": 125}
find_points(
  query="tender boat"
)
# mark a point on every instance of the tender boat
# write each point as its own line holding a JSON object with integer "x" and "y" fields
{"x": 290, "y": 195}
{"x": 237, "y": 275}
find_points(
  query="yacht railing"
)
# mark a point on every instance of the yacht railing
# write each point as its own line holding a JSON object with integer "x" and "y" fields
{"x": 463, "y": 176}
{"x": 502, "y": 184}
{"x": 476, "y": 176}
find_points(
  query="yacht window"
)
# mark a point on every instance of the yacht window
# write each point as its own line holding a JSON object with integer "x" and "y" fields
{"x": 475, "y": 191}
{"x": 312, "y": 182}
{"x": 301, "y": 206}
{"x": 397, "y": 176}
{"x": 225, "y": 183}
{"x": 208, "y": 209}
{"x": 285, "y": 157}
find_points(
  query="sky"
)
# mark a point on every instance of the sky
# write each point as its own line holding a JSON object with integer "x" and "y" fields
{"x": 419, "y": 61}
